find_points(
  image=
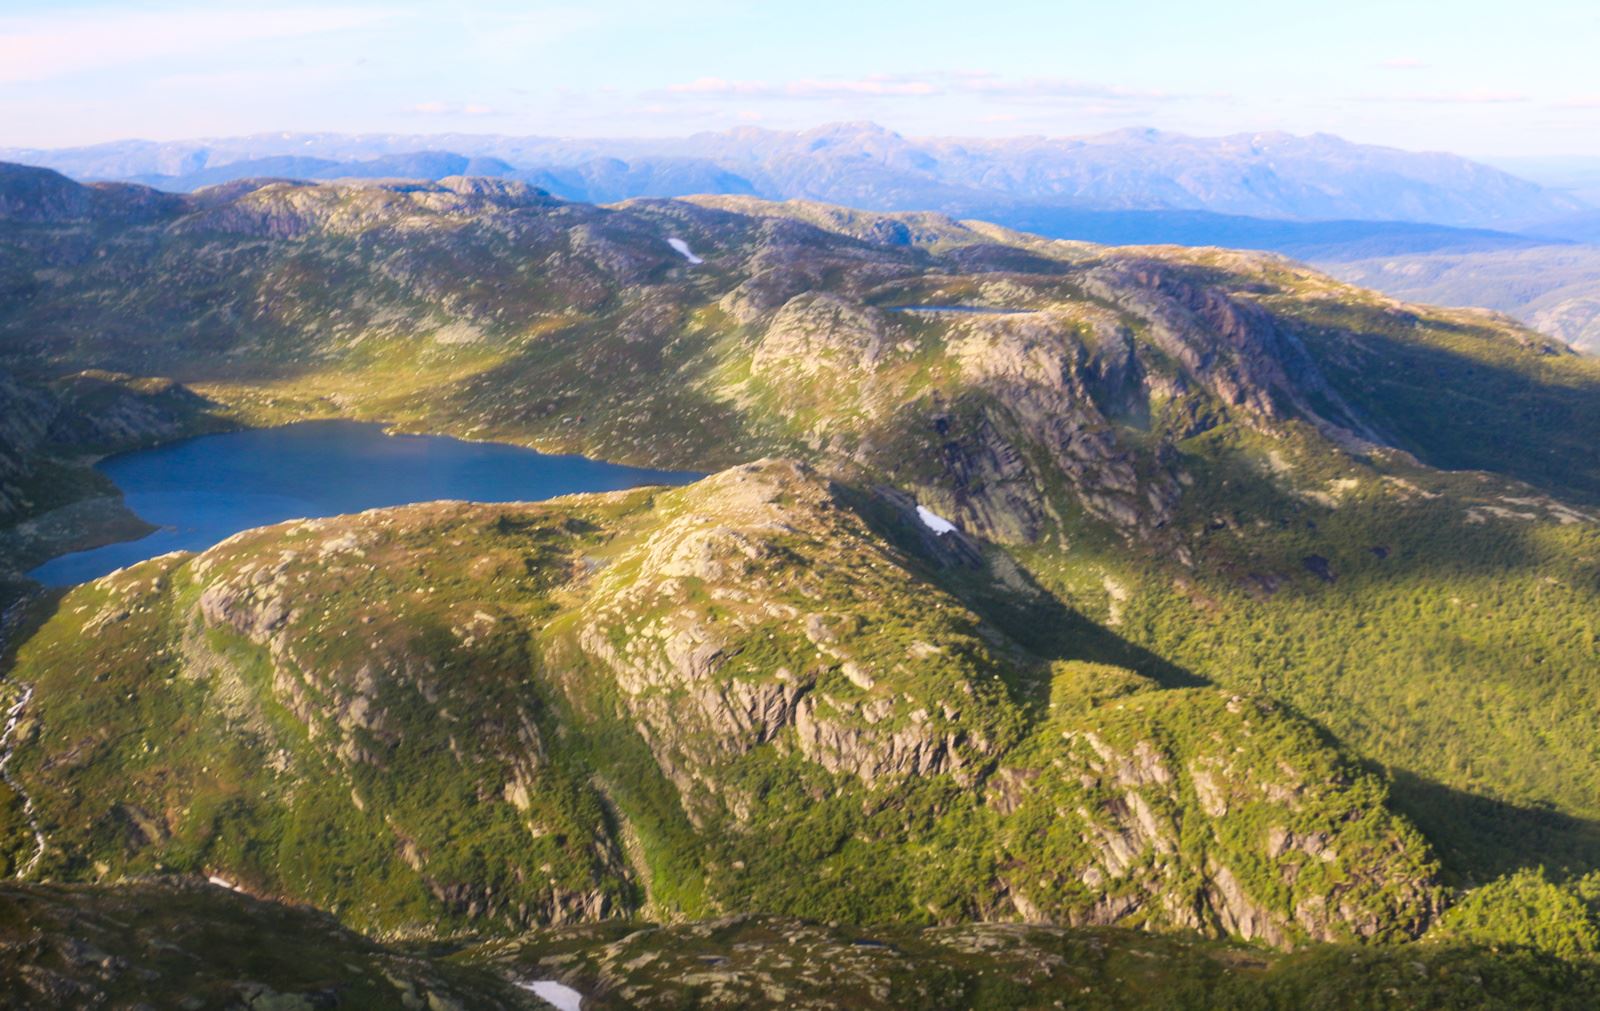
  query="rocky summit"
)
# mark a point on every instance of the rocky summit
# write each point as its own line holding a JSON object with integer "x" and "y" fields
{"x": 1056, "y": 624}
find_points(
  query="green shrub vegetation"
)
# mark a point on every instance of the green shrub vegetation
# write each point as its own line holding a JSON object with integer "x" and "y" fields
{"x": 1273, "y": 616}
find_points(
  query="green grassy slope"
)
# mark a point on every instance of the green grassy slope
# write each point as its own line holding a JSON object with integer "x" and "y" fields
{"x": 456, "y": 717}
{"x": 1214, "y": 468}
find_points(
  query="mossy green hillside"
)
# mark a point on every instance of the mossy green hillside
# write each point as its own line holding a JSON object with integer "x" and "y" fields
{"x": 192, "y": 945}
{"x": 763, "y": 961}
{"x": 1236, "y": 467}
{"x": 675, "y": 698}
{"x": 169, "y": 943}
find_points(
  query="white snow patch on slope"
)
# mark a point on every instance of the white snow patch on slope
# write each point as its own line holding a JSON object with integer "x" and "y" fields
{"x": 683, "y": 247}
{"x": 938, "y": 524}
{"x": 557, "y": 995}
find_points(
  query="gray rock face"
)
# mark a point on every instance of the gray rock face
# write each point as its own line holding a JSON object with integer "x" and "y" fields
{"x": 1229, "y": 347}
{"x": 818, "y": 331}
{"x": 693, "y": 699}
{"x": 1038, "y": 378}
{"x": 1147, "y": 853}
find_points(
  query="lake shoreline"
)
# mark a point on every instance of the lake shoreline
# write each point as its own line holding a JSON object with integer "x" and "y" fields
{"x": 187, "y": 494}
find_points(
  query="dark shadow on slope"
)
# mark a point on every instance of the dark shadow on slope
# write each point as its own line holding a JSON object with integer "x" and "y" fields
{"x": 1256, "y": 534}
{"x": 587, "y": 388}
{"x": 1500, "y": 408}
{"x": 25, "y": 607}
{"x": 1456, "y": 392}
{"x": 984, "y": 578}
{"x": 1480, "y": 838}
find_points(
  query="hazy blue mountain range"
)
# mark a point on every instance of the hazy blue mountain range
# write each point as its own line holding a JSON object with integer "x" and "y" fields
{"x": 1273, "y": 175}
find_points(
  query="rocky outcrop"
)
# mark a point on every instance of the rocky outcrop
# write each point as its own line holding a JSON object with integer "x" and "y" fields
{"x": 1157, "y": 811}
{"x": 421, "y": 747}
{"x": 105, "y": 412}
{"x": 1229, "y": 346}
{"x": 733, "y": 572}
{"x": 817, "y": 332}
{"x": 290, "y": 210}
{"x": 84, "y": 415}
{"x": 478, "y": 701}
{"x": 835, "y": 740}
{"x": 1037, "y": 377}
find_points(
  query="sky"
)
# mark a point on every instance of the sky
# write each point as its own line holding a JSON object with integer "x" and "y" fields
{"x": 1487, "y": 79}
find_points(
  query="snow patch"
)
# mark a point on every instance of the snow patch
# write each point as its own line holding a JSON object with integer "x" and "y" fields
{"x": 457, "y": 332}
{"x": 938, "y": 524}
{"x": 683, "y": 248}
{"x": 558, "y": 995}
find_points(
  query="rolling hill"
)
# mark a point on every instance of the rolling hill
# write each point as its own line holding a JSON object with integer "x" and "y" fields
{"x": 1268, "y": 616}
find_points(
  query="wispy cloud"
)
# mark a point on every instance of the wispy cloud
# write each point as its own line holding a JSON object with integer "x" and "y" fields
{"x": 1578, "y": 102}
{"x": 1474, "y": 97}
{"x": 862, "y": 87}
{"x": 51, "y": 46}
{"x": 451, "y": 109}
{"x": 1402, "y": 63}
{"x": 979, "y": 84}
{"x": 993, "y": 85}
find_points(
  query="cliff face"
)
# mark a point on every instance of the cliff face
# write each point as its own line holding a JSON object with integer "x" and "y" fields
{"x": 760, "y": 559}
{"x": 1182, "y": 796}
{"x": 454, "y": 693}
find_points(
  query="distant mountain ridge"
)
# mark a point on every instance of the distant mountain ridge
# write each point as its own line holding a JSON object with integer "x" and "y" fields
{"x": 1398, "y": 219}
{"x": 1271, "y": 175}
{"x": 1555, "y": 289}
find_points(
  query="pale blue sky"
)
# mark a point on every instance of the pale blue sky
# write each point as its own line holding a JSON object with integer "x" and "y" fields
{"x": 1483, "y": 78}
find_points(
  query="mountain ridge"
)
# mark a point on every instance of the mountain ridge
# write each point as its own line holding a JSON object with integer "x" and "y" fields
{"x": 1263, "y": 174}
{"x": 1193, "y": 489}
{"x": 1318, "y": 198}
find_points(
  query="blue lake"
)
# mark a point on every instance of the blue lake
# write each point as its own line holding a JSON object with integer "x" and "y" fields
{"x": 204, "y": 490}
